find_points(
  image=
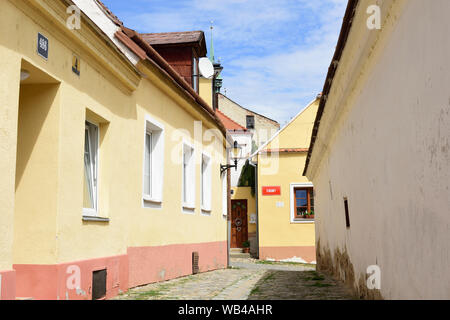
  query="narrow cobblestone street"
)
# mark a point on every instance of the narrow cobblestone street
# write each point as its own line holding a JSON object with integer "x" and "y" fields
{"x": 246, "y": 279}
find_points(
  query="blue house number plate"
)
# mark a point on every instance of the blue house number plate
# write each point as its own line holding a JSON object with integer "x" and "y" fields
{"x": 42, "y": 46}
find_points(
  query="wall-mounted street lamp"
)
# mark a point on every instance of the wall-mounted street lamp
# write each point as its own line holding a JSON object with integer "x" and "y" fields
{"x": 236, "y": 153}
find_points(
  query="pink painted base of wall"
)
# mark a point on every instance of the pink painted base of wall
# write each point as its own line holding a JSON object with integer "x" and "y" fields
{"x": 153, "y": 264}
{"x": 141, "y": 265}
{"x": 281, "y": 253}
{"x": 55, "y": 282}
{"x": 8, "y": 285}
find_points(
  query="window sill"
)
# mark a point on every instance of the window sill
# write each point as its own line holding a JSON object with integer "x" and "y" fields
{"x": 188, "y": 206}
{"x": 153, "y": 200}
{"x": 303, "y": 221}
{"x": 206, "y": 212}
{"x": 188, "y": 209}
{"x": 95, "y": 218}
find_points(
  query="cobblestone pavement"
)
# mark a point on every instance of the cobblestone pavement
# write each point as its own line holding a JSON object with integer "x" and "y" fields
{"x": 254, "y": 264}
{"x": 246, "y": 279}
{"x": 298, "y": 285}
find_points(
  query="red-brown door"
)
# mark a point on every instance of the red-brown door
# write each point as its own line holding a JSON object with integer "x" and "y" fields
{"x": 239, "y": 231}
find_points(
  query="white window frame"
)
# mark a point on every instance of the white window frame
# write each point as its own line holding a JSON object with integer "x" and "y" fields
{"x": 293, "y": 186}
{"x": 94, "y": 155}
{"x": 206, "y": 184}
{"x": 188, "y": 179}
{"x": 188, "y": 186}
{"x": 156, "y": 159}
{"x": 148, "y": 183}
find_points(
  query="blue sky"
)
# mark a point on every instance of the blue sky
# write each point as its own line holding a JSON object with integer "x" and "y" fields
{"x": 275, "y": 53}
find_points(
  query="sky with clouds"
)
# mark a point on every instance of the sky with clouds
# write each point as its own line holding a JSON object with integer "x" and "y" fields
{"x": 275, "y": 53}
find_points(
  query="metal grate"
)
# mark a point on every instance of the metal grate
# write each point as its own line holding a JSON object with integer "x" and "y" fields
{"x": 98, "y": 284}
{"x": 195, "y": 259}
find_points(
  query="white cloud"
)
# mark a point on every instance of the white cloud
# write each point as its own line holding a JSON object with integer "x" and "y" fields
{"x": 280, "y": 84}
{"x": 275, "y": 53}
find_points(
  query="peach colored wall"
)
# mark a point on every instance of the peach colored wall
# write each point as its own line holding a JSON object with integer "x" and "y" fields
{"x": 8, "y": 285}
{"x": 49, "y": 282}
{"x": 141, "y": 265}
{"x": 160, "y": 263}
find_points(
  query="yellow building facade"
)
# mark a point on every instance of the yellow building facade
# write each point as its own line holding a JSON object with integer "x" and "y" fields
{"x": 286, "y": 230}
{"x": 96, "y": 187}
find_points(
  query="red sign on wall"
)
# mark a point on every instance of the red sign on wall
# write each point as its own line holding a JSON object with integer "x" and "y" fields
{"x": 271, "y": 191}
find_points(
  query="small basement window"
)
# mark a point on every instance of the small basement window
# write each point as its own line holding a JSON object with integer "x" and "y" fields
{"x": 195, "y": 263}
{"x": 99, "y": 284}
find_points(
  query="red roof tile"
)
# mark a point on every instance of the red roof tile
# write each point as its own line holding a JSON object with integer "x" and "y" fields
{"x": 229, "y": 123}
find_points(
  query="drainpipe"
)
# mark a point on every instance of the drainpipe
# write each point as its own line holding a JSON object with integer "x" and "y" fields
{"x": 255, "y": 165}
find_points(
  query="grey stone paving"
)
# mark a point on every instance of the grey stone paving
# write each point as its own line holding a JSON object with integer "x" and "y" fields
{"x": 224, "y": 284}
{"x": 295, "y": 285}
{"x": 246, "y": 279}
{"x": 268, "y": 265}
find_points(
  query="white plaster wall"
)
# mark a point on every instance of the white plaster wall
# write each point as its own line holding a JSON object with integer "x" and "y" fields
{"x": 391, "y": 158}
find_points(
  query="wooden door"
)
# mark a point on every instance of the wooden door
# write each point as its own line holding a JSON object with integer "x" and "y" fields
{"x": 239, "y": 223}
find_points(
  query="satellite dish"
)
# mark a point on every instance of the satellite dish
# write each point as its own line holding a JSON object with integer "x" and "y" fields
{"x": 206, "y": 68}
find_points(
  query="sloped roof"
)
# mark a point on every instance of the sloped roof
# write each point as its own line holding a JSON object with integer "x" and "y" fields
{"x": 253, "y": 112}
{"x": 195, "y": 39}
{"x": 263, "y": 149}
{"x": 173, "y": 37}
{"x": 229, "y": 124}
{"x": 134, "y": 41}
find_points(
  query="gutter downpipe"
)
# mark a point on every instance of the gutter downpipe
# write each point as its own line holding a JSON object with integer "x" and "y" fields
{"x": 255, "y": 165}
